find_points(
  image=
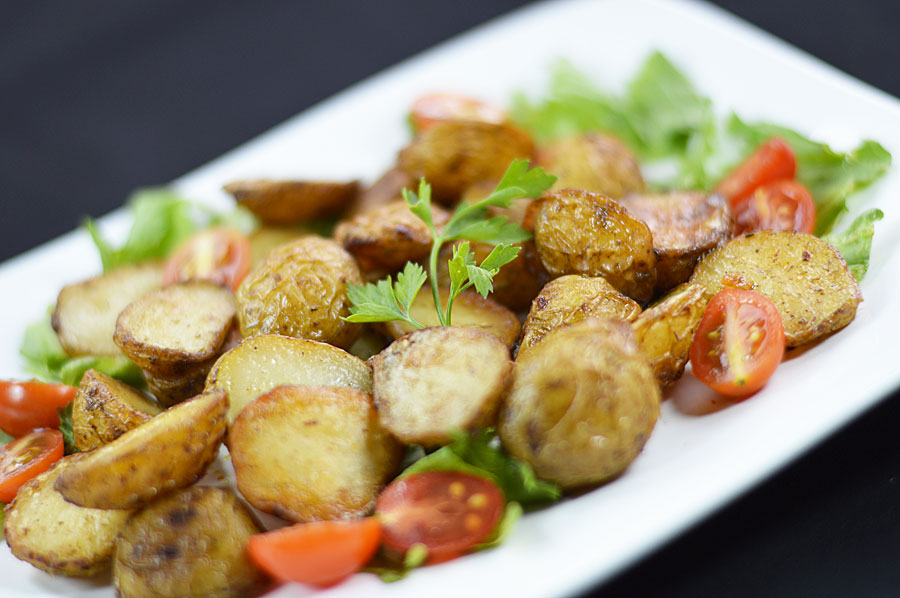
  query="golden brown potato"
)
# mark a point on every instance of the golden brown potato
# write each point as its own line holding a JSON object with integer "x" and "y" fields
{"x": 572, "y": 298}
{"x": 452, "y": 155}
{"x": 191, "y": 544}
{"x": 388, "y": 236}
{"x": 174, "y": 330}
{"x": 582, "y": 404}
{"x": 266, "y": 238}
{"x": 469, "y": 309}
{"x": 56, "y": 536}
{"x": 263, "y": 362}
{"x": 596, "y": 163}
{"x": 665, "y": 330}
{"x": 86, "y": 312}
{"x": 435, "y": 381}
{"x": 806, "y": 278}
{"x": 171, "y": 390}
{"x": 169, "y": 452}
{"x": 307, "y": 453}
{"x": 387, "y": 188}
{"x": 283, "y": 203}
{"x": 301, "y": 290}
{"x": 685, "y": 226}
{"x": 577, "y": 232}
{"x": 105, "y": 408}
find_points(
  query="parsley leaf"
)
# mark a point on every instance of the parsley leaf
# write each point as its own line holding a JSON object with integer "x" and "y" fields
{"x": 65, "y": 426}
{"x": 384, "y": 301}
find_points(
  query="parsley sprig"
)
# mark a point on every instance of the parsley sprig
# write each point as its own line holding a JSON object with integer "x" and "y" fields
{"x": 386, "y": 301}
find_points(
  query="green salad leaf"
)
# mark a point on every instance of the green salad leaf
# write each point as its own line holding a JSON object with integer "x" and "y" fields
{"x": 855, "y": 243}
{"x": 4, "y": 438}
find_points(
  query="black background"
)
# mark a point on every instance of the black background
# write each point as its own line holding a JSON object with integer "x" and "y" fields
{"x": 98, "y": 98}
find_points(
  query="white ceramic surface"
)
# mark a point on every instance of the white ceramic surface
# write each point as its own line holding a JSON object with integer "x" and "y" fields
{"x": 691, "y": 465}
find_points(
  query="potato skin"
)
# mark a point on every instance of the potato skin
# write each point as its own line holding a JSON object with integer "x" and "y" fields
{"x": 578, "y": 232}
{"x": 56, "y": 536}
{"x": 593, "y": 162}
{"x": 582, "y": 404}
{"x": 806, "y": 278}
{"x": 188, "y": 544}
{"x": 300, "y": 290}
{"x": 307, "y": 453}
{"x": 105, "y": 408}
{"x": 573, "y": 298}
{"x": 283, "y": 203}
{"x": 434, "y": 381}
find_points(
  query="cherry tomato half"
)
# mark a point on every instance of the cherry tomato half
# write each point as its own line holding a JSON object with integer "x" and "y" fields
{"x": 219, "y": 255}
{"x": 26, "y": 406}
{"x": 446, "y": 511}
{"x": 24, "y": 458}
{"x": 430, "y": 109}
{"x": 782, "y": 205}
{"x": 319, "y": 553}
{"x": 739, "y": 342}
{"x": 772, "y": 161}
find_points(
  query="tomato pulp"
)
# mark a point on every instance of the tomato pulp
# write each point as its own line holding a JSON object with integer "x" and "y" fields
{"x": 772, "y": 161}
{"x": 218, "y": 255}
{"x": 782, "y": 205}
{"x": 26, "y": 457}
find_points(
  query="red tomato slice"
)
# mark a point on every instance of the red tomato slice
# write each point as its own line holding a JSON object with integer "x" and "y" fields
{"x": 782, "y": 205}
{"x": 446, "y": 511}
{"x": 431, "y": 109}
{"x": 772, "y": 161}
{"x": 320, "y": 553}
{"x": 24, "y": 458}
{"x": 739, "y": 342}
{"x": 219, "y": 255}
{"x": 26, "y": 406}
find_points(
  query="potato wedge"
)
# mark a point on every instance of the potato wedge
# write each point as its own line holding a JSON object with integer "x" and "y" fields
{"x": 105, "y": 408}
{"x": 169, "y": 452}
{"x": 307, "y": 453}
{"x": 665, "y": 330}
{"x": 572, "y": 298}
{"x": 191, "y": 544}
{"x": 805, "y": 277}
{"x": 261, "y": 363}
{"x": 282, "y": 203}
{"x": 54, "y": 535}
{"x": 685, "y": 226}
{"x": 469, "y": 309}
{"x": 171, "y": 390}
{"x": 174, "y": 330}
{"x": 434, "y": 381}
{"x": 596, "y": 163}
{"x": 86, "y": 312}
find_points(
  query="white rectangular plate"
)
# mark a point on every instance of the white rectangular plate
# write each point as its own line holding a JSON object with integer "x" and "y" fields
{"x": 691, "y": 465}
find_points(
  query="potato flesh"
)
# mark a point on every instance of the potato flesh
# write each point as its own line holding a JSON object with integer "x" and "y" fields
{"x": 283, "y": 203}
{"x": 435, "y": 381}
{"x": 308, "y": 453}
{"x": 806, "y": 278}
{"x": 596, "y": 163}
{"x": 105, "y": 408}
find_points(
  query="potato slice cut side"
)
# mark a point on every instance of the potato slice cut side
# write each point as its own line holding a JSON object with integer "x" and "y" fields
{"x": 283, "y": 203}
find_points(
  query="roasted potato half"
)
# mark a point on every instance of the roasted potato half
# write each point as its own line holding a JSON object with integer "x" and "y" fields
{"x": 56, "y": 536}
{"x": 169, "y": 452}
{"x": 282, "y": 203}
{"x": 191, "y": 544}
{"x": 685, "y": 226}
{"x": 572, "y": 298}
{"x": 266, "y": 238}
{"x": 306, "y": 453}
{"x": 387, "y": 188}
{"x": 665, "y": 330}
{"x": 434, "y": 381}
{"x": 806, "y": 278}
{"x": 171, "y": 390}
{"x": 300, "y": 290}
{"x": 453, "y": 155}
{"x": 582, "y": 404}
{"x": 578, "y": 232}
{"x": 261, "y": 363}
{"x": 86, "y": 312}
{"x": 105, "y": 408}
{"x": 593, "y": 162}
{"x": 469, "y": 309}
{"x": 172, "y": 331}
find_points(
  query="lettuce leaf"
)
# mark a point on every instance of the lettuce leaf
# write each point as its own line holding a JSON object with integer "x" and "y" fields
{"x": 855, "y": 243}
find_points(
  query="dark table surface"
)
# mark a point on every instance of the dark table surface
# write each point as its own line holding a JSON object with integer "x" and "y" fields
{"x": 101, "y": 97}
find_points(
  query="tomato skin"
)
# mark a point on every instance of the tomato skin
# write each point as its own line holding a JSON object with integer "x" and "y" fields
{"x": 739, "y": 342}
{"x": 772, "y": 161}
{"x": 27, "y": 406}
{"x": 320, "y": 553}
{"x": 219, "y": 255}
{"x": 782, "y": 205}
{"x": 448, "y": 512}
{"x": 26, "y": 457}
{"x": 431, "y": 109}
